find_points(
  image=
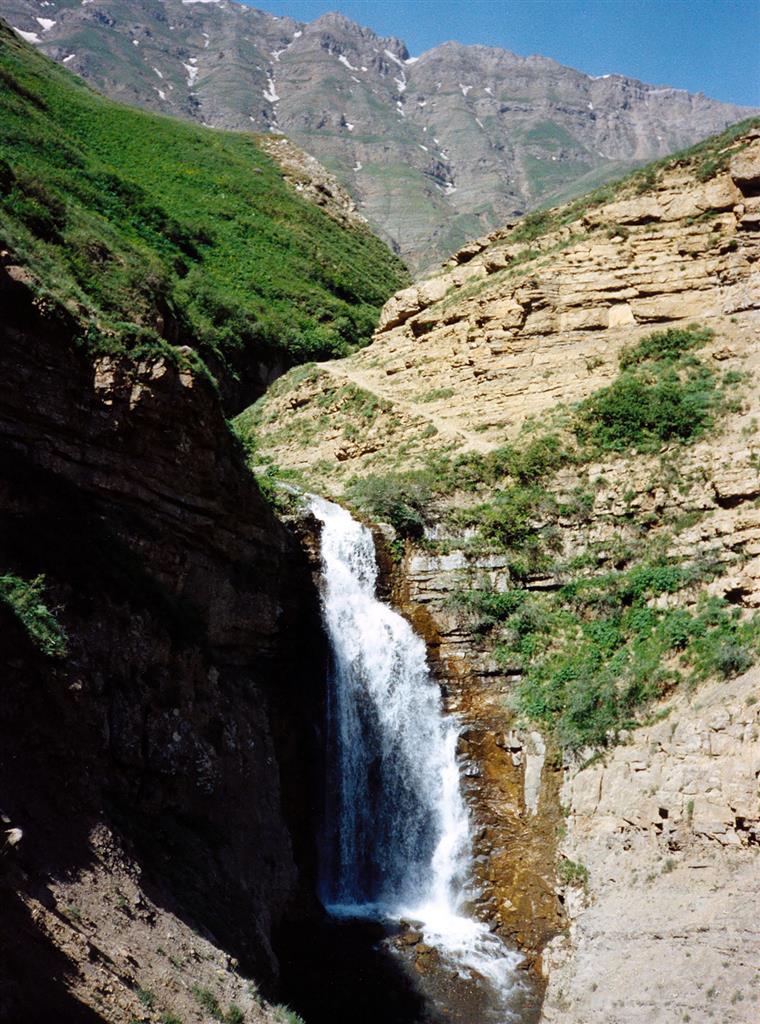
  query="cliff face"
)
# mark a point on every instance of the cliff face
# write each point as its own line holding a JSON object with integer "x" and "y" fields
{"x": 157, "y": 768}
{"x": 589, "y": 585}
{"x": 668, "y": 828}
{"x": 510, "y": 779}
{"x": 435, "y": 149}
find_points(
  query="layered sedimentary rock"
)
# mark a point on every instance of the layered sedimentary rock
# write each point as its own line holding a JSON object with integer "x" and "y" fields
{"x": 668, "y": 827}
{"x": 510, "y": 785}
{"x": 155, "y": 769}
{"x": 510, "y": 327}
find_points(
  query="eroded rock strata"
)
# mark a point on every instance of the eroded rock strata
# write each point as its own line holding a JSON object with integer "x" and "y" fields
{"x": 668, "y": 829}
{"x": 158, "y": 770}
{"x": 512, "y": 327}
{"x": 512, "y": 788}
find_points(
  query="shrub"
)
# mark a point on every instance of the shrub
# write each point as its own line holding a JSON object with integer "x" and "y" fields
{"x": 663, "y": 394}
{"x": 595, "y": 652}
{"x": 591, "y": 712}
{"x": 529, "y": 464}
{"x": 655, "y": 579}
{"x": 666, "y": 346}
{"x": 643, "y": 411}
{"x": 208, "y": 1002}
{"x": 402, "y": 499}
{"x": 724, "y": 643}
{"x": 645, "y": 180}
{"x": 533, "y": 225}
{"x": 436, "y": 394}
{"x": 287, "y": 1016}
{"x": 571, "y": 872}
{"x": 146, "y": 997}
{"x": 509, "y": 518}
{"x": 731, "y": 659}
{"x": 490, "y": 605}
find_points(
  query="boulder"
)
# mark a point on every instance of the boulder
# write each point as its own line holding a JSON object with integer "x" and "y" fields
{"x": 620, "y": 315}
{"x": 645, "y": 210}
{"x": 745, "y": 169}
{"x": 433, "y": 290}
{"x": 718, "y": 194}
{"x": 399, "y": 308}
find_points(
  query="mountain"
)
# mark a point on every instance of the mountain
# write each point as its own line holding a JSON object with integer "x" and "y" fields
{"x": 151, "y": 232}
{"x": 435, "y": 149}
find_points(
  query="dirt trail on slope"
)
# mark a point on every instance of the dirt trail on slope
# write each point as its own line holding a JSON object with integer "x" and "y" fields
{"x": 447, "y": 428}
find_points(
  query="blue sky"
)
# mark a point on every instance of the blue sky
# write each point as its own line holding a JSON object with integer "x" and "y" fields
{"x": 710, "y": 46}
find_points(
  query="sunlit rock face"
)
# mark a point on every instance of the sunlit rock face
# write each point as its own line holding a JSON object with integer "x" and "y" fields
{"x": 595, "y": 868}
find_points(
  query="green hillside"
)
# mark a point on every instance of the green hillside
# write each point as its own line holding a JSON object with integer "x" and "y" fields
{"x": 154, "y": 231}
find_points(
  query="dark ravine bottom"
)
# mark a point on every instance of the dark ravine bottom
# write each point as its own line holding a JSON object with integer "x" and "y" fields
{"x": 341, "y": 972}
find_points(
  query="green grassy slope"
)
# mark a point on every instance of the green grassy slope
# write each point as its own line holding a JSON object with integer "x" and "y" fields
{"x": 157, "y": 232}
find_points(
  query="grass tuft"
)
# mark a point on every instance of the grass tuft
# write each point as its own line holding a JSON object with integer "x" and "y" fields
{"x": 26, "y": 598}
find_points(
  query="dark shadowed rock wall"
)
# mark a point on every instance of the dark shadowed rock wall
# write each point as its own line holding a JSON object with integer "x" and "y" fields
{"x": 182, "y": 716}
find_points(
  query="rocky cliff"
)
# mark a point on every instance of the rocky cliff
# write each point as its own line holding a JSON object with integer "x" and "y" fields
{"x": 558, "y": 433}
{"x": 667, "y": 827}
{"x": 435, "y": 149}
{"x": 561, "y": 427}
{"x": 526, "y": 318}
{"x": 153, "y": 754}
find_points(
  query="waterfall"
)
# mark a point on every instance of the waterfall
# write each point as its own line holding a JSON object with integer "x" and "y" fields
{"x": 397, "y": 831}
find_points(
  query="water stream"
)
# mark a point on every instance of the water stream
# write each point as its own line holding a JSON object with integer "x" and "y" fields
{"x": 397, "y": 843}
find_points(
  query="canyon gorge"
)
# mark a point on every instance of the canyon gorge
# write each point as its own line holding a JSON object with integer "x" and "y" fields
{"x": 374, "y": 649}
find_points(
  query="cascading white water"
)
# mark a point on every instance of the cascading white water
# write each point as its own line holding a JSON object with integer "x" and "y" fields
{"x": 397, "y": 832}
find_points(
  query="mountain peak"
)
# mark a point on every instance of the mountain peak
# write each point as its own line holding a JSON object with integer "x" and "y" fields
{"x": 336, "y": 22}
